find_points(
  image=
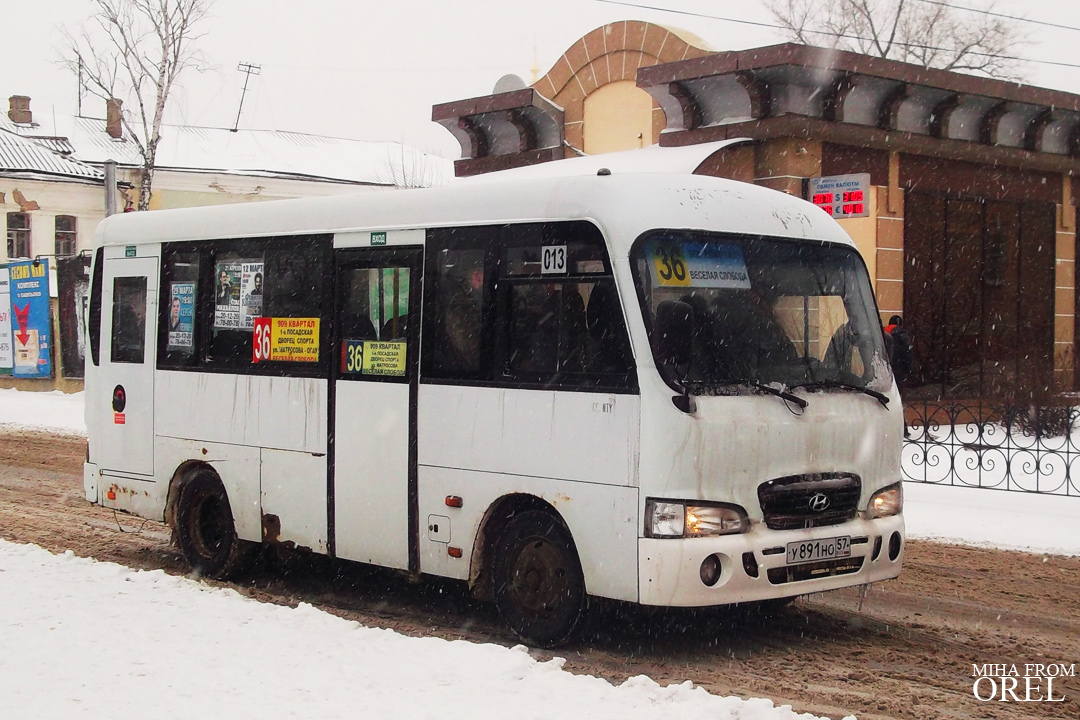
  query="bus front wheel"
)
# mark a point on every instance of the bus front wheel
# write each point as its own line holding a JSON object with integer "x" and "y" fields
{"x": 537, "y": 580}
{"x": 205, "y": 530}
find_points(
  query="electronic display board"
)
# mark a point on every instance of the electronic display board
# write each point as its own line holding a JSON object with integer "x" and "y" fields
{"x": 842, "y": 196}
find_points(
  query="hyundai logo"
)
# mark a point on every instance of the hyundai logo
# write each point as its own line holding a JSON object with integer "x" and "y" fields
{"x": 819, "y": 502}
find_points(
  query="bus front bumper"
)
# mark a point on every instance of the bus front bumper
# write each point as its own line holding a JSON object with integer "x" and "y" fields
{"x": 754, "y": 565}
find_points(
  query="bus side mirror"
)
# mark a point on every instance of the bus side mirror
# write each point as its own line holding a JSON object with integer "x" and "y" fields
{"x": 673, "y": 332}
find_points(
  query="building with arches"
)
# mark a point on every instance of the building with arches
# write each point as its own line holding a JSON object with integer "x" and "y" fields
{"x": 969, "y": 225}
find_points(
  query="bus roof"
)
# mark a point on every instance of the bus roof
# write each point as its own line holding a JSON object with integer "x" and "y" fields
{"x": 622, "y": 205}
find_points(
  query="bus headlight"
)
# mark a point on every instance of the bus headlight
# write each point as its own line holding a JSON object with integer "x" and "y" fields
{"x": 886, "y": 502}
{"x": 672, "y": 519}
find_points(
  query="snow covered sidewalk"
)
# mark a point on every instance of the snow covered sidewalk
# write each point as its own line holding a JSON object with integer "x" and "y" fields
{"x": 89, "y": 639}
{"x": 52, "y": 411}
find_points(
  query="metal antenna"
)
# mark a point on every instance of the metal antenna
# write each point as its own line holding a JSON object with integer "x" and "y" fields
{"x": 248, "y": 69}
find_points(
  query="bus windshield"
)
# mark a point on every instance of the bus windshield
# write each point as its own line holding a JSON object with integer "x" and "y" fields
{"x": 763, "y": 311}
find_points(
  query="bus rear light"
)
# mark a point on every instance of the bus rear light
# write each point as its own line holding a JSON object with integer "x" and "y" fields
{"x": 453, "y": 501}
{"x": 454, "y": 552}
{"x": 111, "y": 495}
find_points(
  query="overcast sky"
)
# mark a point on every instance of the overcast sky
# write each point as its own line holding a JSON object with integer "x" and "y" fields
{"x": 372, "y": 70}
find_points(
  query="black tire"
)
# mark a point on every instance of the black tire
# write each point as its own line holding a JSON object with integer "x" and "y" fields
{"x": 205, "y": 529}
{"x": 537, "y": 580}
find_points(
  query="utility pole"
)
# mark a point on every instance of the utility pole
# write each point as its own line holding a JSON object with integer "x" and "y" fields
{"x": 248, "y": 69}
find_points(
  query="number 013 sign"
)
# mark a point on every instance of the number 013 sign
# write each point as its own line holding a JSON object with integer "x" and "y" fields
{"x": 285, "y": 340}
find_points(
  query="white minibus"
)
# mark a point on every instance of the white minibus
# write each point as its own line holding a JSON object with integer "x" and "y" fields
{"x": 663, "y": 389}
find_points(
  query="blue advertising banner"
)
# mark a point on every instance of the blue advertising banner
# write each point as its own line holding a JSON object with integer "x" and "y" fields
{"x": 30, "y": 321}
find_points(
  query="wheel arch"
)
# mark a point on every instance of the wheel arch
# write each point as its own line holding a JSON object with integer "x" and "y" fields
{"x": 492, "y": 524}
{"x": 180, "y": 477}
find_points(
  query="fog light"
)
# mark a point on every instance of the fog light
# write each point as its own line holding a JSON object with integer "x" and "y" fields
{"x": 894, "y": 546}
{"x": 749, "y": 564}
{"x": 710, "y": 570}
{"x": 877, "y": 549}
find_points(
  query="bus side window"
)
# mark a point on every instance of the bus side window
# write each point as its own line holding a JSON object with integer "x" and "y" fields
{"x": 129, "y": 320}
{"x": 179, "y": 321}
{"x": 564, "y": 326}
{"x": 94, "y": 323}
{"x": 454, "y": 332}
{"x": 280, "y": 278}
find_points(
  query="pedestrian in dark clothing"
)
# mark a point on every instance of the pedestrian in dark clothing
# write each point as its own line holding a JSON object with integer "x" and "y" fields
{"x": 900, "y": 355}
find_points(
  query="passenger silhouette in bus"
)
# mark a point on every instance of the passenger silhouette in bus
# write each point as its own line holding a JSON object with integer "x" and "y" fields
{"x": 608, "y": 351}
{"x": 573, "y": 340}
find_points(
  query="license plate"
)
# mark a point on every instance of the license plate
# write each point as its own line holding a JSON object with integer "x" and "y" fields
{"x": 806, "y": 551}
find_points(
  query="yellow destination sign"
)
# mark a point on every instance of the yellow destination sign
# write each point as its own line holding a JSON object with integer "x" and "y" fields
{"x": 384, "y": 358}
{"x": 286, "y": 339}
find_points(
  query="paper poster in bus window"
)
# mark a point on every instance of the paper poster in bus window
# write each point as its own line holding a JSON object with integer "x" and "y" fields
{"x": 227, "y": 295}
{"x": 181, "y": 316}
{"x": 699, "y": 264}
{"x": 251, "y": 292}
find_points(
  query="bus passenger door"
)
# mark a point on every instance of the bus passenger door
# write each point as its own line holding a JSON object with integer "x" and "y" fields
{"x": 125, "y": 412}
{"x": 373, "y": 400}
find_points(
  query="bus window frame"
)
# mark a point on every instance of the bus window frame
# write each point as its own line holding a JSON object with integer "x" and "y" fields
{"x": 497, "y": 241}
{"x": 200, "y": 360}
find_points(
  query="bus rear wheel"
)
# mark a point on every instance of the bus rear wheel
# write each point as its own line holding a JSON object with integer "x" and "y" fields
{"x": 537, "y": 580}
{"x": 205, "y": 530}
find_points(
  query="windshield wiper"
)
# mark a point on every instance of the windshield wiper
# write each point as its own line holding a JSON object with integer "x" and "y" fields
{"x": 779, "y": 392}
{"x": 880, "y": 397}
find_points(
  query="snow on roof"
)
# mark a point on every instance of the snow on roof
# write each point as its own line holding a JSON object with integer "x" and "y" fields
{"x": 268, "y": 153}
{"x": 652, "y": 159}
{"x": 26, "y": 156}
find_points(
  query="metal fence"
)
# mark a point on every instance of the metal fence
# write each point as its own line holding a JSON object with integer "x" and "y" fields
{"x": 1003, "y": 447}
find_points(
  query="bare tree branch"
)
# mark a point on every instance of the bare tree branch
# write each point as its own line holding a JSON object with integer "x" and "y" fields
{"x": 134, "y": 51}
{"x": 927, "y": 34}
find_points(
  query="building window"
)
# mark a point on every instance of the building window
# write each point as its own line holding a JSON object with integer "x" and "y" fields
{"x": 65, "y": 235}
{"x": 18, "y": 235}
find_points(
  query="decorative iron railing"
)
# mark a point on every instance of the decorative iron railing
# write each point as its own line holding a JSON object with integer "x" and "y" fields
{"x": 1032, "y": 449}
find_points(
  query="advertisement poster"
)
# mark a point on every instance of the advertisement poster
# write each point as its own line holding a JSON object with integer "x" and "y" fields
{"x": 30, "y": 326}
{"x": 73, "y": 292}
{"x": 251, "y": 293}
{"x": 181, "y": 317}
{"x": 227, "y": 295}
{"x": 7, "y": 357}
{"x": 238, "y": 292}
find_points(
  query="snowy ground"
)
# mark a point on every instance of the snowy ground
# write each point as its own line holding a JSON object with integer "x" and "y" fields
{"x": 98, "y": 640}
{"x": 89, "y": 639}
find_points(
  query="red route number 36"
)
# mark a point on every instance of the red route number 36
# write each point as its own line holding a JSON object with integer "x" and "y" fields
{"x": 260, "y": 349}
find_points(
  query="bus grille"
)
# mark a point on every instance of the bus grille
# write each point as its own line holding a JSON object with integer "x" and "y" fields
{"x": 806, "y": 501}
{"x": 813, "y": 571}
